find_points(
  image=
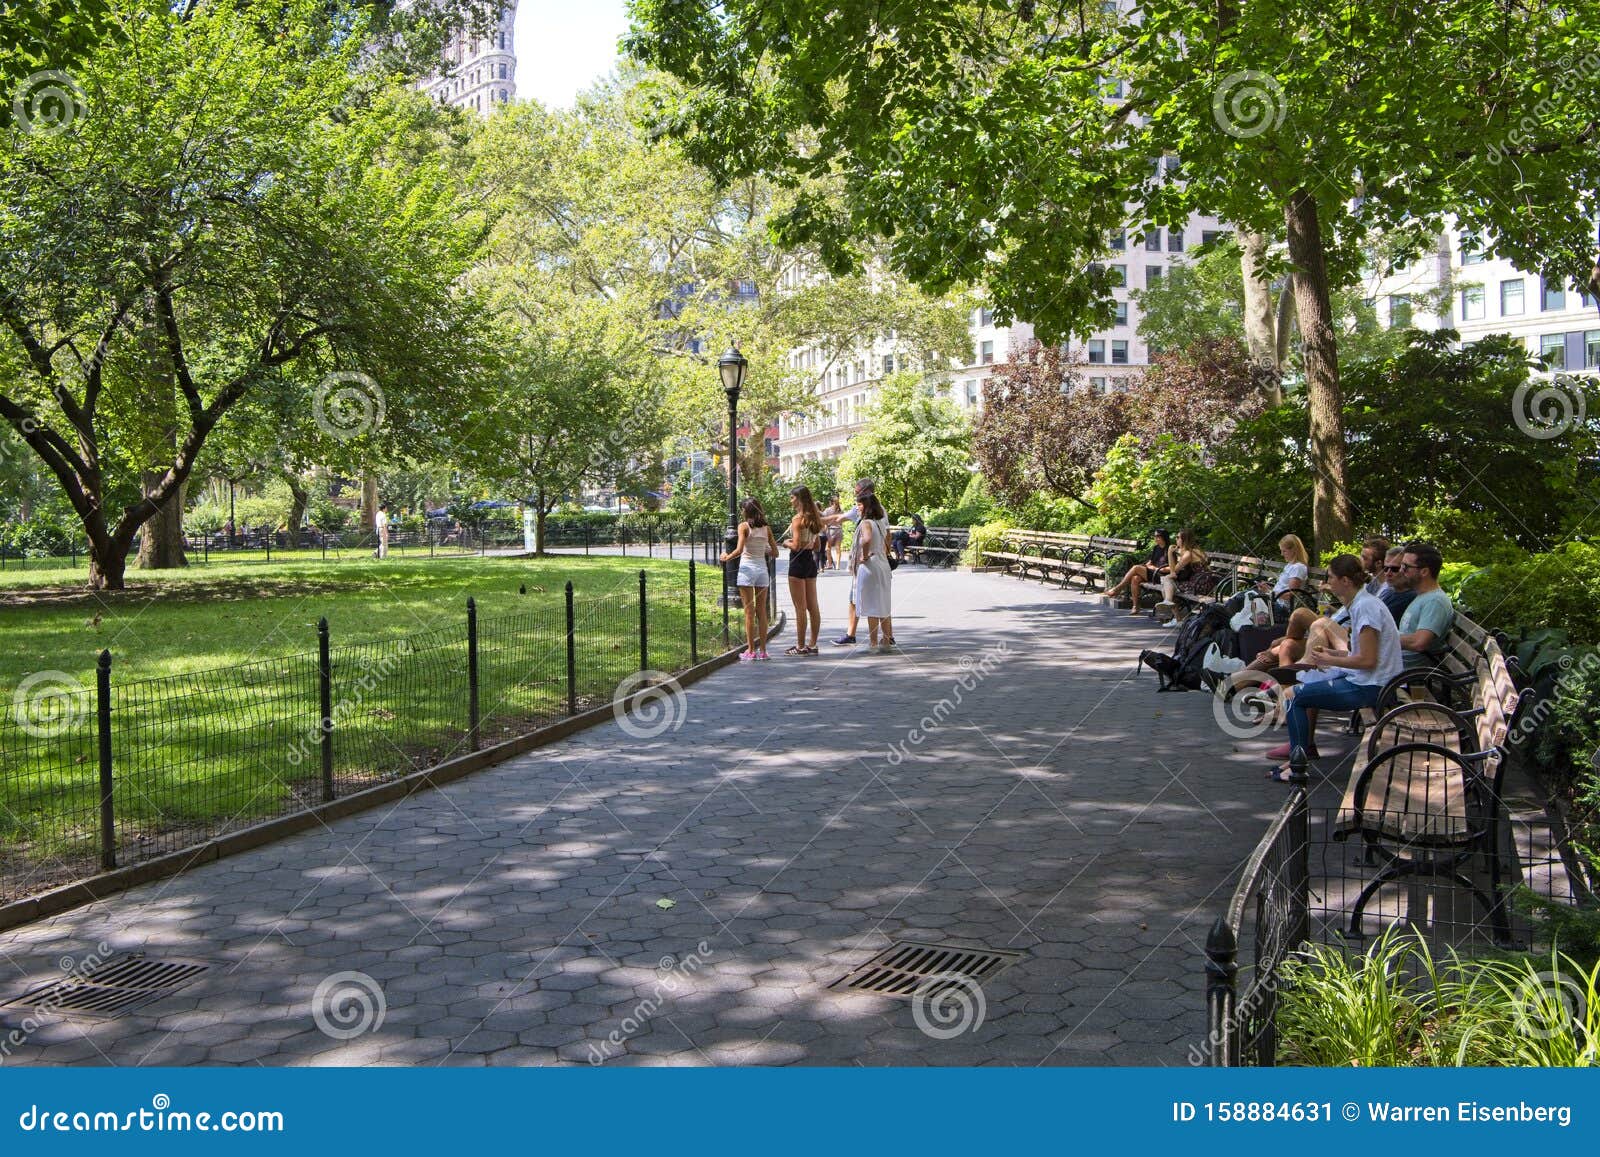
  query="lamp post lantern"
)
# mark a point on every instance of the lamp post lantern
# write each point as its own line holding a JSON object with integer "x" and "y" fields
{"x": 731, "y": 366}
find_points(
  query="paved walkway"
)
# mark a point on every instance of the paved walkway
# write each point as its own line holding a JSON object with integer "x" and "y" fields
{"x": 1048, "y": 802}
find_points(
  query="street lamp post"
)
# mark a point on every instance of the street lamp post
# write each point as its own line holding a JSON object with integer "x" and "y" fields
{"x": 731, "y": 366}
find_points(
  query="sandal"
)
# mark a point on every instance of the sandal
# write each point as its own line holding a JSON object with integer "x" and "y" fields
{"x": 1286, "y": 774}
{"x": 808, "y": 651}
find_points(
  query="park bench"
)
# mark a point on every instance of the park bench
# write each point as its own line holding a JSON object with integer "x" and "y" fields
{"x": 943, "y": 546}
{"x": 1425, "y": 794}
{"x": 1059, "y": 556}
{"x": 1238, "y": 572}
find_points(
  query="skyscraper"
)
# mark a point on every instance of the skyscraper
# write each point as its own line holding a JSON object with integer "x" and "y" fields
{"x": 480, "y": 71}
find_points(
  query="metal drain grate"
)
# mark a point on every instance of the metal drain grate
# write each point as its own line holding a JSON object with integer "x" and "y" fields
{"x": 118, "y": 985}
{"x": 906, "y": 968}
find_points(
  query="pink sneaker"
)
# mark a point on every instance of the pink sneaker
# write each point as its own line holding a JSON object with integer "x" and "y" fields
{"x": 746, "y": 656}
{"x": 763, "y": 654}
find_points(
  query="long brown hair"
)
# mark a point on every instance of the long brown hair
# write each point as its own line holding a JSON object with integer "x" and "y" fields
{"x": 870, "y": 506}
{"x": 810, "y": 516}
{"x": 753, "y": 514}
{"x": 1189, "y": 541}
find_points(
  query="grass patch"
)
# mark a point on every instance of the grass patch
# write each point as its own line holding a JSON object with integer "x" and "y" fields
{"x": 215, "y": 689}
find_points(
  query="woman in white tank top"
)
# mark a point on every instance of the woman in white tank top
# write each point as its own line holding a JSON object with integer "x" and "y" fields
{"x": 754, "y": 547}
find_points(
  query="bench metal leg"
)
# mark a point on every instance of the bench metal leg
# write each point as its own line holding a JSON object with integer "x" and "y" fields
{"x": 1402, "y": 869}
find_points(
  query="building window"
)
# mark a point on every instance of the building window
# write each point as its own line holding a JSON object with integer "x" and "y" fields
{"x": 986, "y": 353}
{"x": 1473, "y": 303}
{"x": 1399, "y": 311}
{"x": 888, "y": 364}
{"x": 1555, "y": 297}
{"x": 1174, "y": 240}
{"x": 1120, "y": 317}
{"x": 1112, "y": 87}
{"x": 1119, "y": 239}
{"x": 1170, "y": 164}
{"x": 1119, "y": 276}
{"x": 1470, "y": 254}
{"x": 1553, "y": 350}
{"x": 1511, "y": 298}
{"x": 503, "y": 74}
{"x": 1591, "y": 350}
{"x": 1097, "y": 384}
{"x": 985, "y": 316}
{"x": 1119, "y": 352}
{"x": 1097, "y": 352}
{"x": 1152, "y": 275}
{"x": 1152, "y": 241}
{"x": 1211, "y": 236}
{"x": 972, "y": 392}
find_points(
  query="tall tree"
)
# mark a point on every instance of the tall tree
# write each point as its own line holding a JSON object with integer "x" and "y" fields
{"x": 221, "y": 195}
{"x": 1006, "y": 143}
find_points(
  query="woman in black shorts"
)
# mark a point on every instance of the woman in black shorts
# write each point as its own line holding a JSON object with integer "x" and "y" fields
{"x": 804, "y": 531}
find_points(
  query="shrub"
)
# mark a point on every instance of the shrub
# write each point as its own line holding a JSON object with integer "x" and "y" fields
{"x": 1560, "y": 589}
{"x": 984, "y": 537}
{"x": 41, "y": 536}
{"x": 1397, "y": 1006}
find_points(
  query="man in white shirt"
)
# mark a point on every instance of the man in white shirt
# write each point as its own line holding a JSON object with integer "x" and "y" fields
{"x": 381, "y": 522}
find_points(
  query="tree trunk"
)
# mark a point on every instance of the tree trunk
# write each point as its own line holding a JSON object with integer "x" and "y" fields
{"x": 161, "y": 544}
{"x": 1261, "y": 316}
{"x": 369, "y": 505}
{"x": 300, "y": 498}
{"x": 539, "y": 513}
{"x": 1285, "y": 330}
{"x": 1331, "y": 515}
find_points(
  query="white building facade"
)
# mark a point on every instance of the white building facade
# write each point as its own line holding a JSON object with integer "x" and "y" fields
{"x": 1557, "y": 322}
{"x": 846, "y": 388}
{"x": 480, "y": 70}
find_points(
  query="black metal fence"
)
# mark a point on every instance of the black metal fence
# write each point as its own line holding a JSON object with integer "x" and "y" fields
{"x": 93, "y": 778}
{"x": 648, "y": 536}
{"x": 1304, "y": 884}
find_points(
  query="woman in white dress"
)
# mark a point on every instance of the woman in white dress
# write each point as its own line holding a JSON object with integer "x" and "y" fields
{"x": 873, "y": 574}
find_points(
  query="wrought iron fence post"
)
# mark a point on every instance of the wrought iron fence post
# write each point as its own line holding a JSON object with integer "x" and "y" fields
{"x": 472, "y": 672}
{"x": 1222, "y": 973}
{"x": 694, "y": 617}
{"x": 572, "y": 656}
{"x": 1300, "y": 868}
{"x": 650, "y": 538}
{"x": 586, "y": 529}
{"x": 267, "y": 538}
{"x": 108, "y": 824}
{"x": 325, "y": 705}
{"x": 644, "y": 627}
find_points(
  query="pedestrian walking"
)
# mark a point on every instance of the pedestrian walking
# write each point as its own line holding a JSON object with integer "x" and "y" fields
{"x": 754, "y": 547}
{"x": 835, "y": 533}
{"x": 381, "y": 522}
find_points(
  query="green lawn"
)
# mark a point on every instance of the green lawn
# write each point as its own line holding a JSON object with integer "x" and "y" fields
{"x": 214, "y": 691}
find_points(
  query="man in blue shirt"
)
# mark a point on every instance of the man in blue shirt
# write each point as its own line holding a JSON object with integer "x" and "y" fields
{"x": 1427, "y": 621}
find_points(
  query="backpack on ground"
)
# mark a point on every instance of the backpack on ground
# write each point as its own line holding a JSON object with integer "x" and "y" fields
{"x": 1181, "y": 670}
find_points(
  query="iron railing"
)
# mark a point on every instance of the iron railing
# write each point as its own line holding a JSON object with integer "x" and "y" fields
{"x": 94, "y": 778}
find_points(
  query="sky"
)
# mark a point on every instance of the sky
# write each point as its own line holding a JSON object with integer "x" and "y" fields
{"x": 564, "y": 46}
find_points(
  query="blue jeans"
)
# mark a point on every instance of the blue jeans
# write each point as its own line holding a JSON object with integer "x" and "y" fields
{"x": 1336, "y": 695}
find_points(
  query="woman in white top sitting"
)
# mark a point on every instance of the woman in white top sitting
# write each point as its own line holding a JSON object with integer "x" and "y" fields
{"x": 1359, "y": 672}
{"x": 754, "y": 547}
{"x": 1295, "y": 575}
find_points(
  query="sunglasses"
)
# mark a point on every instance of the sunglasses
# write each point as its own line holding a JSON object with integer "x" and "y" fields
{"x": 1392, "y": 569}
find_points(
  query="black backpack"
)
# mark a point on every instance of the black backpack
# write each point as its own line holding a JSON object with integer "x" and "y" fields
{"x": 1183, "y": 669}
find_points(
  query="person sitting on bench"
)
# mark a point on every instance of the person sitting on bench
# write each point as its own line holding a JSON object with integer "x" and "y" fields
{"x": 915, "y": 537}
{"x": 1358, "y": 674}
{"x": 1147, "y": 571}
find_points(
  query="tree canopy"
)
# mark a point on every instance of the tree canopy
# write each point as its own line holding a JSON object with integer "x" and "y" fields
{"x": 1008, "y": 143}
